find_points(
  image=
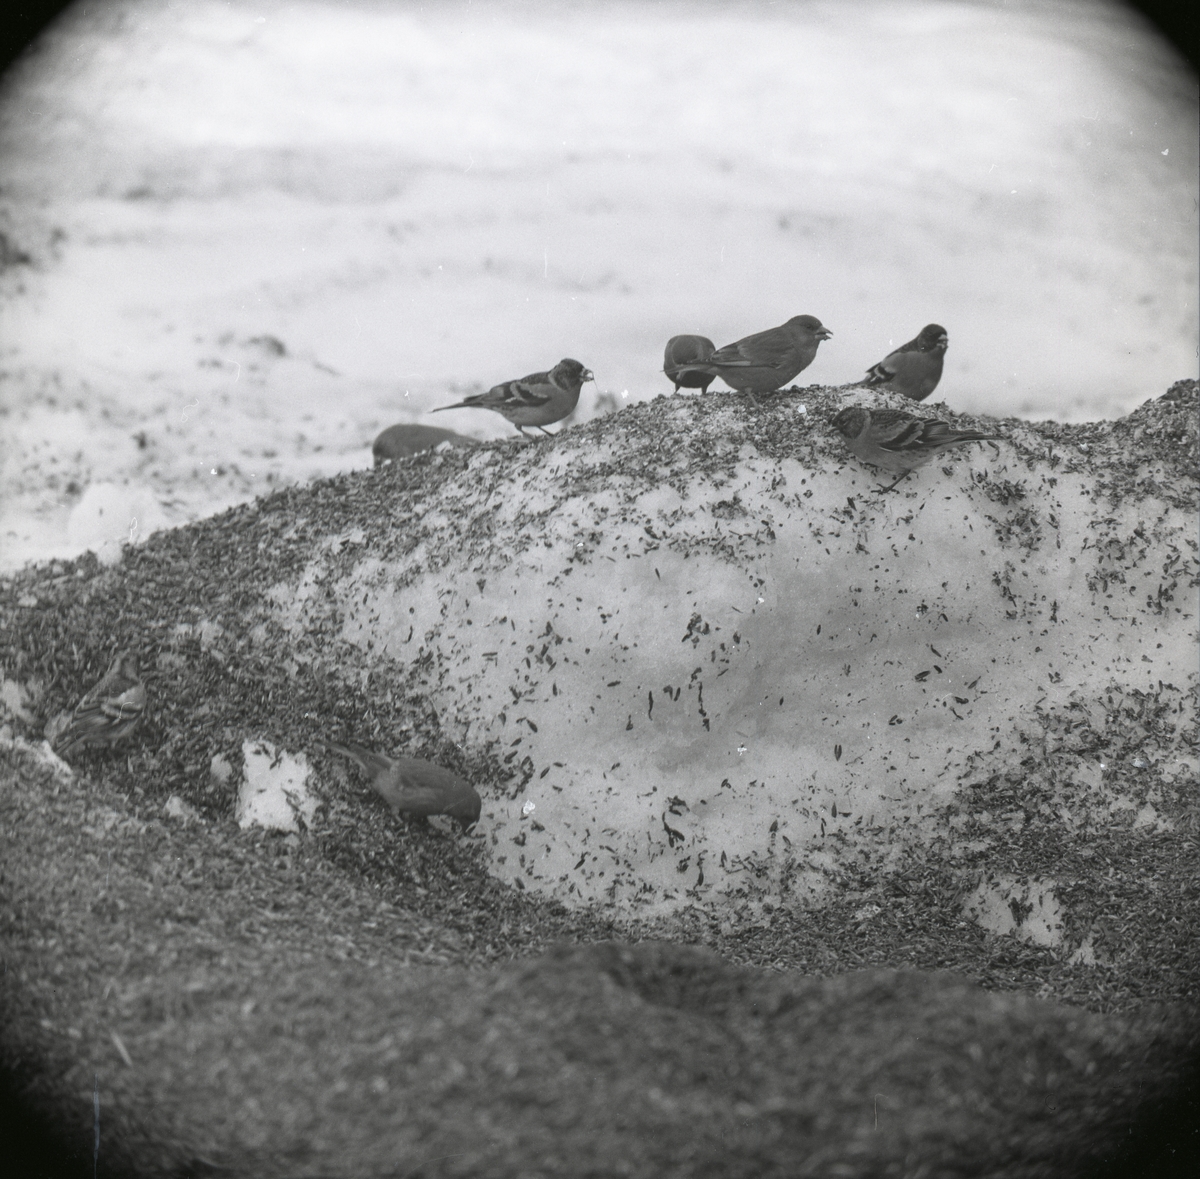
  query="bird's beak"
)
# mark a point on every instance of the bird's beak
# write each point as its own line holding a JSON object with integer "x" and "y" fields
{"x": 587, "y": 375}
{"x": 823, "y": 334}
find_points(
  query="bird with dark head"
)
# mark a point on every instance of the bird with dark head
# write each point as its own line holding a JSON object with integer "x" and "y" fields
{"x": 683, "y": 350}
{"x": 536, "y": 400}
{"x": 765, "y": 361}
{"x": 899, "y": 441}
{"x": 915, "y": 368}
{"x": 108, "y": 713}
{"x": 411, "y": 786}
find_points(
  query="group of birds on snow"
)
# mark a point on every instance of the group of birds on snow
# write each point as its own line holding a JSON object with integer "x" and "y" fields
{"x": 895, "y": 440}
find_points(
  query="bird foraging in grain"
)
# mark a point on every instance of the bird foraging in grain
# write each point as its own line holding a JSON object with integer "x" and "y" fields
{"x": 411, "y": 786}
{"x": 915, "y": 368}
{"x": 682, "y": 350}
{"x": 765, "y": 361}
{"x": 899, "y": 441}
{"x": 109, "y": 712}
{"x": 536, "y": 400}
{"x": 401, "y": 440}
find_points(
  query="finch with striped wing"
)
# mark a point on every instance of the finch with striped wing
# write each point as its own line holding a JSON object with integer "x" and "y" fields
{"x": 109, "y": 712}
{"x": 536, "y": 400}
{"x": 899, "y": 441}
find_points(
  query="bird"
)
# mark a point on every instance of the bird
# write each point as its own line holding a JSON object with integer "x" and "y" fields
{"x": 915, "y": 368}
{"x": 898, "y": 440}
{"x": 765, "y": 361}
{"x": 404, "y": 439}
{"x": 415, "y": 787}
{"x": 681, "y": 350}
{"x": 109, "y": 712}
{"x": 535, "y": 400}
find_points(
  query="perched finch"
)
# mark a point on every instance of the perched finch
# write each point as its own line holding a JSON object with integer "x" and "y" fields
{"x": 681, "y": 350}
{"x": 766, "y": 360}
{"x": 411, "y": 786}
{"x": 109, "y": 712}
{"x": 405, "y": 439}
{"x": 897, "y": 440}
{"x": 535, "y": 400}
{"x": 915, "y": 368}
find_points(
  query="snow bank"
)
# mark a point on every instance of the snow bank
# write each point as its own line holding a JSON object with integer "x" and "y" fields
{"x": 719, "y": 663}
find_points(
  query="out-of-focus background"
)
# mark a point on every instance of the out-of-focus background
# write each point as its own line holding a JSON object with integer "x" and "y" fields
{"x": 239, "y": 240}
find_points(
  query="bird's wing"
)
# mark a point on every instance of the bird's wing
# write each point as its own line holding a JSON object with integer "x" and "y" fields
{"x": 881, "y": 373}
{"x": 769, "y": 349}
{"x": 527, "y": 393}
{"x": 116, "y": 697}
{"x": 366, "y": 759}
{"x": 98, "y": 714}
{"x": 938, "y": 433}
{"x": 905, "y": 366}
{"x": 83, "y": 724}
{"x": 125, "y": 705}
{"x": 901, "y": 433}
{"x": 422, "y": 799}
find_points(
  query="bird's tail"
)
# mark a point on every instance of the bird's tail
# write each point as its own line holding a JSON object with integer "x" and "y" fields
{"x": 471, "y": 402}
{"x": 362, "y": 757}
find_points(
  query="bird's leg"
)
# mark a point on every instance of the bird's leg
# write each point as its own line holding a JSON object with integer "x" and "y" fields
{"x": 891, "y": 485}
{"x": 545, "y": 431}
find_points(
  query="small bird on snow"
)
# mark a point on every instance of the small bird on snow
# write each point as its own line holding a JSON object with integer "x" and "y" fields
{"x": 406, "y": 438}
{"x": 680, "y": 351}
{"x": 899, "y": 441}
{"x": 768, "y": 360}
{"x": 535, "y": 400}
{"x": 415, "y": 787}
{"x": 109, "y": 712}
{"x": 915, "y": 368}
